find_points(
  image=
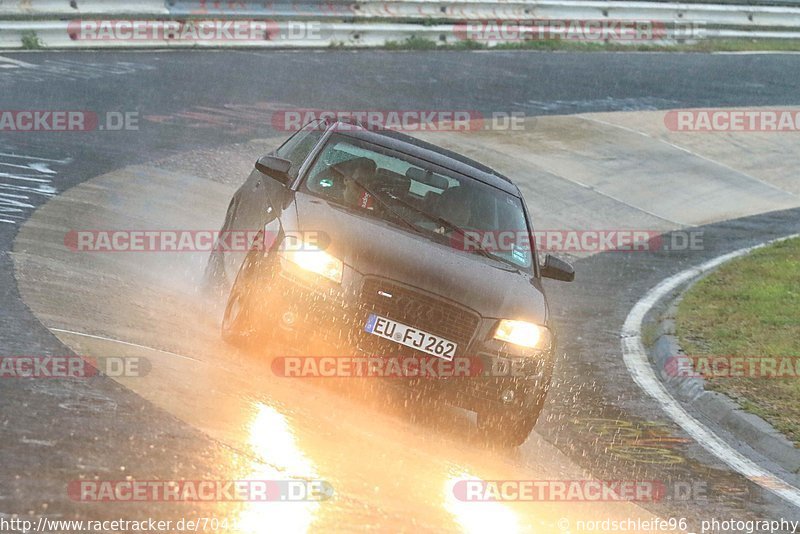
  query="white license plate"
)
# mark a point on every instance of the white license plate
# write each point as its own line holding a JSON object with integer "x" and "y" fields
{"x": 410, "y": 337}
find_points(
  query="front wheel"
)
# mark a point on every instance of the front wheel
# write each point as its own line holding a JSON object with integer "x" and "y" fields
{"x": 507, "y": 428}
{"x": 247, "y": 318}
{"x": 237, "y": 322}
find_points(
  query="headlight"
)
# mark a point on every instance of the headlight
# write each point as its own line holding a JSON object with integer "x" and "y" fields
{"x": 522, "y": 333}
{"x": 312, "y": 259}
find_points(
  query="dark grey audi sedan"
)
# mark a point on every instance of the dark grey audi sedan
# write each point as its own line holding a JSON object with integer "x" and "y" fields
{"x": 380, "y": 246}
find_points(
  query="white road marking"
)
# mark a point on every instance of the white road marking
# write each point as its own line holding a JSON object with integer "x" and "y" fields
{"x": 21, "y": 156}
{"x": 7, "y": 199}
{"x": 36, "y": 170}
{"x": 596, "y": 191}
{"x": 8, "y": 63}
{"x": 687, "y": 151}
{"x": 24, "y": 177}
{"x": 44, "y": 190}
{"x": 638, "y": 364}
{"x": 128, "y": 343}
{"x": 609, "y": 104}
{"x": 38, "y": 167}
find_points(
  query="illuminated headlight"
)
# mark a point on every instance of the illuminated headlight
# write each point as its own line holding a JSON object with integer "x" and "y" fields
{"x": 314, "y": 260}
{"x": 522, "y": 333}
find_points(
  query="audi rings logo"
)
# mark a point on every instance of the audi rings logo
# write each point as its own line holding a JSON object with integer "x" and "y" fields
{"x": 409, "y": 307}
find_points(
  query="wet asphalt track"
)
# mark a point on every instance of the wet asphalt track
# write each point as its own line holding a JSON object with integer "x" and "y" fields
{"x": 58, "y": 431}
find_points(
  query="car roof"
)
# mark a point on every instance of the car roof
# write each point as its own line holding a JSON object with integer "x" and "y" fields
{"x": 429, "y": 152}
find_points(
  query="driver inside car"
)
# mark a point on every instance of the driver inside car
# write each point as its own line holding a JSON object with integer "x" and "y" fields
{"x": 455, "y": 206}
{"x": 462, "y": 219}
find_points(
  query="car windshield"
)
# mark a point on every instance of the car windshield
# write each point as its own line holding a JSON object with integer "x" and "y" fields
{"x": 447, "y": 207}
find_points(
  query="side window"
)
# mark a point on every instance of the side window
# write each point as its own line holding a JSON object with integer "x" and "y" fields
{"x": 300, "y": 144}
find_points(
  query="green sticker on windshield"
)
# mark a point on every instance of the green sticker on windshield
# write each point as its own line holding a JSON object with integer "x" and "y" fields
{"x": 326, "y": 182}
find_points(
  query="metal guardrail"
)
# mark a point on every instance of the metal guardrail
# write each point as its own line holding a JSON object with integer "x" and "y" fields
{"x": 57, "y": 34}
{"x": 71, "y": 8}
{"x": 464, "y": 10}
{"x": 443, "y": 10}
{"x": 369, "y": 23}
{"x": 414, "y": 10}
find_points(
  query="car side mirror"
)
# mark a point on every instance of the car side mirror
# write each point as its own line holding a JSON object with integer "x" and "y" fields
{"x": 275, "y": 167}
{"x": 557, "y": 269}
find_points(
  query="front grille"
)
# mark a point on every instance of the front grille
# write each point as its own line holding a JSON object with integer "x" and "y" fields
{"x": 420, "y": 310}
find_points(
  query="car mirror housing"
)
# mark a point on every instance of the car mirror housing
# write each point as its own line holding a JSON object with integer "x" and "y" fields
{"x": 275, "y": 167}
{"x": 557, "y": 269}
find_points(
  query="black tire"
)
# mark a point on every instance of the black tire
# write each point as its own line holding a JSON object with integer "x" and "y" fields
{"x": 237, "y": 325}
{"x": 247, "y": 317}
{"x": 507, "y": 428}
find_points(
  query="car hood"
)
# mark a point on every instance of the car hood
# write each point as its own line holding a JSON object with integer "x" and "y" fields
{"x": 375, "y": 247}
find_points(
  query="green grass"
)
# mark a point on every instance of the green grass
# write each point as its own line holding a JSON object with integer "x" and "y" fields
{"x": 649, "y": 334}
{"x": 30, "y": 41}
{"x": 708, "y": 45}
{"x": 412, "y": 43}
{"x": 751, "y": 307}
{"x": 740, "y": 45}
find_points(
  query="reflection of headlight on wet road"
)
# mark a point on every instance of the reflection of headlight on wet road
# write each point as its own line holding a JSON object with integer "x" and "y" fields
{"x": 478, "y": 517}
{"x": 277, "y": 457}
{"x": 522, "y": 333}
{"x": 312, "y": 259}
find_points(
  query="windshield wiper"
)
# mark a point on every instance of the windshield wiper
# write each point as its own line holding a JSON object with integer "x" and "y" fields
{"x": 477, "y": 247}
{"x": 435, "y": 218}
{"x": 444, "y": 222}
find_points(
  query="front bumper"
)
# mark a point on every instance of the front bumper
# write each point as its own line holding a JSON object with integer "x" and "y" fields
{"x": 316, "y": 317}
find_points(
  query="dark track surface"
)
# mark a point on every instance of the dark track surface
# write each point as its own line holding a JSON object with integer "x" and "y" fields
{"x": 168, "y": 90}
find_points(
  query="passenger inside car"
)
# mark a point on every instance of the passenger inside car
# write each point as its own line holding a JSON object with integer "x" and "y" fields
{"x": 455, "y": 206}
{"x": 358, "y": 174}
{"x": 345, "y": 182}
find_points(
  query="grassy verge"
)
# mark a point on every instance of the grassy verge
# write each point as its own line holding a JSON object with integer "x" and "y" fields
{"x": 708, "y": 45}
{"x": 751, "y": 308}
